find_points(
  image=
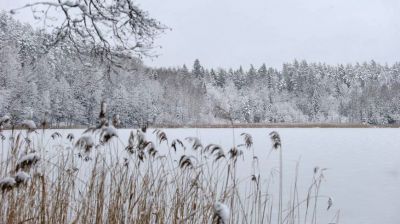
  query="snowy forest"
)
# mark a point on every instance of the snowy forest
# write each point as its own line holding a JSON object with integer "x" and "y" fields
{"x": 68, "y": 86}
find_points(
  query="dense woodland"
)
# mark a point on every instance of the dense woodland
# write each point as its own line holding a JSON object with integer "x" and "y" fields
{"x": 65, "y": 85}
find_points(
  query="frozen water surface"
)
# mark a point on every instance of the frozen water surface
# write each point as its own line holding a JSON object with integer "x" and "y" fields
{"x": 363, "y": 165}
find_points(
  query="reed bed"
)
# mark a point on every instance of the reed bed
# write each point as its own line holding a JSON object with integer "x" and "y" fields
{"x": 100, "y": 178}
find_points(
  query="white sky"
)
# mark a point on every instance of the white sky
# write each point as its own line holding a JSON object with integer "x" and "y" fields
{"x": 229, "y": 33}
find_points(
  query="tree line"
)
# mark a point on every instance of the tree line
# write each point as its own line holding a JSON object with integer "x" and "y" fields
{"x": 67, "y": 85}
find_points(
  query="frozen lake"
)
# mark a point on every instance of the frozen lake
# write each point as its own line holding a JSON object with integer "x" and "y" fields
{"x": 363, "y": 165}
{"x": 363, "y": 175}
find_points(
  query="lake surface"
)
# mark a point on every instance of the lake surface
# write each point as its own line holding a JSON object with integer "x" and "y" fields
{"x": 363, "y": 175}
{"x": 363, "y": 165}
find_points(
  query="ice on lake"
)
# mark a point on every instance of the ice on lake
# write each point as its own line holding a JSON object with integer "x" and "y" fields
{"x": 363, "y": 165}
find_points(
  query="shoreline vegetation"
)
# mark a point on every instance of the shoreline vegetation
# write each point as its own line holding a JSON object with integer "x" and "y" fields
{"x": 249, "y": 125}
{"x": 279, "y": 125}
{"x": 99, "y": 177}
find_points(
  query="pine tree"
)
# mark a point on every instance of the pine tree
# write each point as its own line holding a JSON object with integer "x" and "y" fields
{"x": 221, "y": 78}
{"x": 251, "y": 76}
{"x": 198, "y": 70}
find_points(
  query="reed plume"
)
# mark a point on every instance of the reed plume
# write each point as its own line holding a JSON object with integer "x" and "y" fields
{"x": 7, "y": 183}
{"x": 27, "y": 161}
{"x": 277, "y": 144}
{"x": 221, "y": 213}
{"x": 196, "y": 143}
{"x": 29, "y": 125}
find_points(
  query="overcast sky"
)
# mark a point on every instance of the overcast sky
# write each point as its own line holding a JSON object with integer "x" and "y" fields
{"x": 229, "y": 33}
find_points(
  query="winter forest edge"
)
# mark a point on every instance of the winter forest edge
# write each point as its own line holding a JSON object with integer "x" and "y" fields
{"x": 68, "y": 87}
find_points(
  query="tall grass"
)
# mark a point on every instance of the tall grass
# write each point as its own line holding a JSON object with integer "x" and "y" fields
{"x": 100, "y": 178}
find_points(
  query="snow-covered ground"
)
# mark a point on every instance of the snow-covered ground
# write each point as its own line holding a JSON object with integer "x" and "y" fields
{"x": 363, "y": 165}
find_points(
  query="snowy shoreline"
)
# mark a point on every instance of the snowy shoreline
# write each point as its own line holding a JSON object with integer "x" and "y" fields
{"x": 256, "y": 125}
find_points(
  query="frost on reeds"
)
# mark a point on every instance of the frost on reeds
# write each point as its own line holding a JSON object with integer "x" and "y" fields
{"x": 212, "y": 147}
{"x": 141, "y": 155}
{"x": 276, "y": 140}
{"x": 70, "y": 137}
{"x": 29, "y": 125}
{"x": 138, "y": 144}
{"x": 136, "y": 141}
{"x": 133, "y": 185}
{"x": 102, "y": 119}
{"x": 179, "y": 142}
{"x": 234, "y": 153}
{"x": 185, "y": 161}
{"x": 196, "y": 143}
{"x": 277, "y": 144}
{"x": 143, "y": 128}
{"x": 85, "y": 142}
{"x": 215, "y": 150}
{"x": 22, "y": 177}
{"x": 7, "y": 183}
{"x": 221, "y": 213}
{"x": 107, "y": 133}
{"x": 27, "y": 161}
{"x": 131, "y": 143}
{"x": 150, "y": 149}
{"x": 56, "y": 135}
{"x": 161, "y": 136}
{"x": 3, "y": 121}
{"x": 116, "y": 121}
{"x": 248, "y": 140}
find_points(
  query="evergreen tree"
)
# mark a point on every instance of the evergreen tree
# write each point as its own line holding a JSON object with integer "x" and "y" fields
{"x": 198, "y": 70}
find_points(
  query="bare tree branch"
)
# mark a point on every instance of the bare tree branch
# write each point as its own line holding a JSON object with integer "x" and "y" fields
{"x": 107, "y": 28}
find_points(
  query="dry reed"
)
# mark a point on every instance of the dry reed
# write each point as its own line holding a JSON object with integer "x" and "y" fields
{"x": 136, "y": 183}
